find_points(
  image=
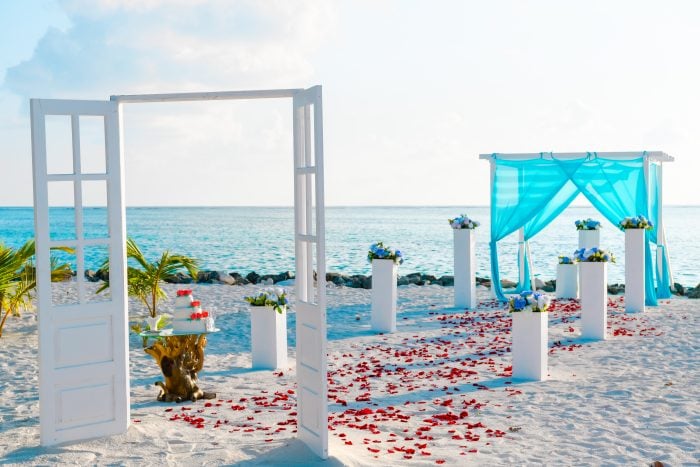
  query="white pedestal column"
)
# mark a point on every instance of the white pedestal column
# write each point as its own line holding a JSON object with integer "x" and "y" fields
{"x": 588, "y": 239}
{"x": 594, "y": 299}
{"x": 634, "y": 270}
{"x": 268, "y": 338}
{"x": 384, "y": 295}
{"x": 465, "y": 268}
{"x": 567, "y": 281}
{"x": 530, "y": 345}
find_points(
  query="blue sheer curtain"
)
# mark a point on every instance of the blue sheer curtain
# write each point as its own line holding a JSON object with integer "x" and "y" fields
{"x": 542, "y": 219}
{"x": 617, "y": 189}
{"x": 663, "y": 269}
{"x": 531, "y": 193}
{"x": 521, "y": 190}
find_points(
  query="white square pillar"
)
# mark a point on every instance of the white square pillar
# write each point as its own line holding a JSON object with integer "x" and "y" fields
{"x": 384, "y": 295}
{"x": 530, "y": 345}
{"x": 464, "y": 268}
{"x": 634, "y": 270}
{"x": 268, "y": 336}
{"x": 567, "y": 281}
{"x": 594, "y": 299}
{"x": 588, "y": 239}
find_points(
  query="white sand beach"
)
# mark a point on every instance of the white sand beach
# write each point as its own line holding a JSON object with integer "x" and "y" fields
{"x": 436, "y": 392}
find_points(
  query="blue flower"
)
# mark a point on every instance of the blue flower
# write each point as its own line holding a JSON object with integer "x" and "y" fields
{"x": 525, "y": 293}
{"x": 519, "y": 303}
{"x": 398, "y": 253}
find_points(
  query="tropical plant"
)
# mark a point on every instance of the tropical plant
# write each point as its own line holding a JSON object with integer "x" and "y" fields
{"x": 144, "y": 278}
{"x": 18, "y": 278}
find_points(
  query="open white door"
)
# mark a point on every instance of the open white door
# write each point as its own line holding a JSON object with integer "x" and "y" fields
{"x": 310, "y": 282}
{"x": 83, "y": 340}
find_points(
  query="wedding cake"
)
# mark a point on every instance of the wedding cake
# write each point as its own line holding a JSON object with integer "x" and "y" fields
{"x": 189, "y": 316}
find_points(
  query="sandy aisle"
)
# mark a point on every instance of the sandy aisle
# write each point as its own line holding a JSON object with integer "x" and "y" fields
{"x": 438, "y": 391}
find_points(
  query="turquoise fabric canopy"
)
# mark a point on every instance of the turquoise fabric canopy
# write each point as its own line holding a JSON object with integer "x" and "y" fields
{"x": 529, "y": 192}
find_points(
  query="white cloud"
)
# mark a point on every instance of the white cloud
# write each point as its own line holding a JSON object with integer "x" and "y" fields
{"x": 413, "y": 91}
{"x": 133, "y": 46}
{"x": 125, "y": 47}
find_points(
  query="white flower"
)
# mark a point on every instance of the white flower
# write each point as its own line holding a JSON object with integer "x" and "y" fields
{"x": 279, "y": 291}
{"x": 531, "y": 300}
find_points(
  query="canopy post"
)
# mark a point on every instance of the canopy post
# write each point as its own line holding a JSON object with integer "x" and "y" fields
{"x": 533, "y": 280}
{"x": 492, "y": 165}
{"x": 521, "y": 255}
{"x": 647, "y": 184}
{"x": 660, "y": 240}
{"x": 662, "y": 253}
{"x": 521, "y": 234}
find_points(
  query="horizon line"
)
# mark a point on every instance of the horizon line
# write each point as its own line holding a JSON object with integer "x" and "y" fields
{"x": 145, "y": 206}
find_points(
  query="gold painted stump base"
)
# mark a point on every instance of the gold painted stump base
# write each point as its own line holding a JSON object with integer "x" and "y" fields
{"x": 180, "y": 359}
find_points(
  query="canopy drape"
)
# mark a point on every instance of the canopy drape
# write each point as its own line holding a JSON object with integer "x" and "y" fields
{"x": 663, "y": 268}
{"x": 530, "y": 193}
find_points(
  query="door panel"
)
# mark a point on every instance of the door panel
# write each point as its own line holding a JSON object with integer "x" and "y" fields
{"x": 310, "y": 271}
{"x": 83, "y": 342}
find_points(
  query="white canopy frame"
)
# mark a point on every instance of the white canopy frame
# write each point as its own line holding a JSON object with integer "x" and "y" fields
{"x": 309, "y": 222}
{"x": 650, "y": 157}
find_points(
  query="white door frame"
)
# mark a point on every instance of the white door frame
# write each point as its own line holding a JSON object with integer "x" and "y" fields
{"x": 83, "y": 346}
{"x": 309, "y": 227}
{"x": 309, "y": 222}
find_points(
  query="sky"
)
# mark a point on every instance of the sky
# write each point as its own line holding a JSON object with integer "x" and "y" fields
{"x": 413, "y": 91}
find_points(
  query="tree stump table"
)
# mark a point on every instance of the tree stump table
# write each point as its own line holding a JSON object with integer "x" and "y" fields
{"x": 180, "y": 357}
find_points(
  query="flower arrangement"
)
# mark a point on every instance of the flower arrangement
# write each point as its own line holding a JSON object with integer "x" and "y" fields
{"x": 638, "y": 222}
{"x": 587, "y": 224}
{"x": 276, "y": 298}
{"x": 379, "y": 251}
{"x": 528, "y": 300}
{"x": 566, "y": 259}
{"x": 594, "y": 255}
{"x": 200, "y": 315}
{"x": 159, "y": 322}
{"x": 463, "y": 222}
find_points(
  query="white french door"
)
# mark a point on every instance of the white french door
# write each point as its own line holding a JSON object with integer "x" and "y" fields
{"x": 83, "y": 336}
{"x": 310, "y": 282}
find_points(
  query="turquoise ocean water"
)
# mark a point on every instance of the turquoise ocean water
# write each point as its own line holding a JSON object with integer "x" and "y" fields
{"x": 261, "y": 238}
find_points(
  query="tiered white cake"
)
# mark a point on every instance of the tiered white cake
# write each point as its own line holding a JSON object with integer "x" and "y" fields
{"x": 188, "y": 316}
